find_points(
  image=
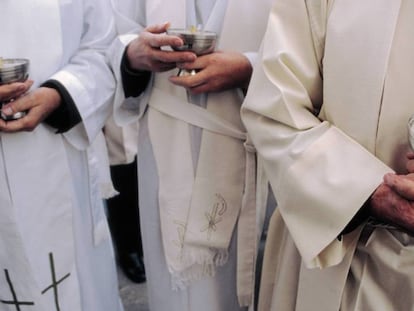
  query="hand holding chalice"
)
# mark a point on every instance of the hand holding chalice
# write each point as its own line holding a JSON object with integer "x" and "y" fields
{"x": 198, "y": 41}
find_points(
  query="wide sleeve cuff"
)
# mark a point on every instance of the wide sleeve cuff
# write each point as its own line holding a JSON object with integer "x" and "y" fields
{"x": 66, "y": 116}
{"x": 331, "y": 194}
{"x": 134, "y": 81}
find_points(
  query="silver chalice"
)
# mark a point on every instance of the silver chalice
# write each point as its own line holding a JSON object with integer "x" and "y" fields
{"x": 199, "y": 42}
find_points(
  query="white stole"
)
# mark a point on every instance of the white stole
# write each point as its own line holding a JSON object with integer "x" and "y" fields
{"x": 35, "y": 184}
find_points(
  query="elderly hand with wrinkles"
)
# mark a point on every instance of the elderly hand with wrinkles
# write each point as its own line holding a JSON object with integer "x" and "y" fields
{"x": 145, "y": 53}
{"x": 38, "y": 104}
{"x": 393, "y": 200}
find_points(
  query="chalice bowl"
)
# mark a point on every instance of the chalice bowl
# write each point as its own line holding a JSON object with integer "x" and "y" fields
{"x": 198, "y": 41}
{"x": 13, "y": 70}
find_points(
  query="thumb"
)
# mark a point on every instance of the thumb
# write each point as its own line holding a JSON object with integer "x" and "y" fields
{"x": 158, "y": 28}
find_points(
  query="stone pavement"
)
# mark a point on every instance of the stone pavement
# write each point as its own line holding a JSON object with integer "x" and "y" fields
{"x": 134, "y": 296}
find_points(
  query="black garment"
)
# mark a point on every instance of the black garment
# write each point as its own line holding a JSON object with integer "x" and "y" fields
{"x": 134, "y": 82}
{"x": 123, "y": 219}
{"x": 66, "y": 115}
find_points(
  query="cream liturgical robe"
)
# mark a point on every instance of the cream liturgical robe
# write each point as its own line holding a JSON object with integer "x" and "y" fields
{"x": 56, "y": 252}
{"x": 327, "y": 110}
{"x": 195, "y": 185}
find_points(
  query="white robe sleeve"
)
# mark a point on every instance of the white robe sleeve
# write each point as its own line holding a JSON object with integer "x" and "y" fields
{"x": 321, "y": 177}
{"x": 87, "y": 76}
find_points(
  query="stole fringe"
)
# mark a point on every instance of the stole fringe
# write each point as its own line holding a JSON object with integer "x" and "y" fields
{"x": 199, "y": 263}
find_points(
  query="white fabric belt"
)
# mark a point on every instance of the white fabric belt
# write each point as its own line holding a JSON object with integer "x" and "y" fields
{"x": 194, "y": 115}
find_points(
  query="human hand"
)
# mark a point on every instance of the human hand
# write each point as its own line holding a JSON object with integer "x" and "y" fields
{"x": 216, "y": 72}
{"x": 393, "y": 201}
{"x": 38, "y": 104}
{"x": 145, "y": 53}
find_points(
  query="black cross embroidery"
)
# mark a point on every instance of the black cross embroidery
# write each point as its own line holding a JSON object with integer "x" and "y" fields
{"x": 55, "y": 283}
{"x": 15, "y": 301}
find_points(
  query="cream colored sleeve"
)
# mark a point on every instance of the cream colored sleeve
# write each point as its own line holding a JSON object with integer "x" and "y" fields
{"x": 314, "y": 168}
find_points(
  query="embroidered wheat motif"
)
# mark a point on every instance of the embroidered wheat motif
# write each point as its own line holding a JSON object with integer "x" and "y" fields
{"x": 213, "y": 218}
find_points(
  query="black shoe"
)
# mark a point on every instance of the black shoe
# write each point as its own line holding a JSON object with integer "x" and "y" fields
{"x": 133, "y": 267}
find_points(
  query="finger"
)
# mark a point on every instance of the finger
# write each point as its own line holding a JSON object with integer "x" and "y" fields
{"x": 158, "y": 28}
{"x": 160, "y": 40}
{"x": 200, "y": 63}
{"x": 26, "y": 123}
{"x": 166, "y": 40}
{"x": 410, "y": 155}
{"x": 174, "y": 57}
{"x": 194, "y": 87}
{"x": 403, "y": 186}
{"x": 13, "y": 90}
{"x": 183, "y": 81}
{"x": 12, "y": 126}
{"x": 21, "y": 104}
